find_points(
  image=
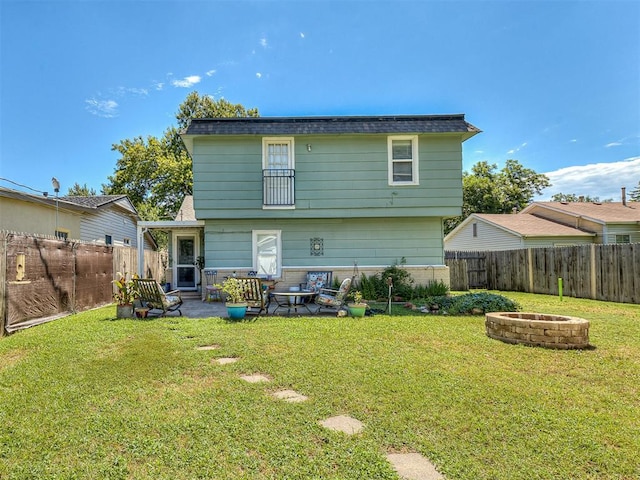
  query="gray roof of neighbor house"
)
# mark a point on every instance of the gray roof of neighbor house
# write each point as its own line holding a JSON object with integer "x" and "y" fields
{"x": 93, "y": 201}
{"x": 528, "y": 225}
{"x": 388, "y": 124}
{"x": 605, "y": 212}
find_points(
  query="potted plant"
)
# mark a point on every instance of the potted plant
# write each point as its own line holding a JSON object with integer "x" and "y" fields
{"x": 235, "y": 300}
{"x": 358, "y": 307}
{"x": 124, "y": 295}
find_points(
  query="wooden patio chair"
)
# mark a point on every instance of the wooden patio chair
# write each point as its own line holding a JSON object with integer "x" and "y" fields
{"x": 254, "y": 294}
{"x": 334, "y": 299}
{"x": 151, "y": 296}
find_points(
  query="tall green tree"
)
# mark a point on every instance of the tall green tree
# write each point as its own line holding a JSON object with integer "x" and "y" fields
{"x": 78, "y": 190}
{"x": 488, "y": 190}
{"x": 635, "y": 193}
{"x": 572, "y": 197}
{"x": 156, "y": 173}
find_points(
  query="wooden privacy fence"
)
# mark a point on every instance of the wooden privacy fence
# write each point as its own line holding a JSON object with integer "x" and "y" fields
{"x": 600, "y": 272}
{"x": 44, "y": 277}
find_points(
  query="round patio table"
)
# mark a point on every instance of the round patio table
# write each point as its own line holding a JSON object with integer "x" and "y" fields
{"x": 292, "y": 300}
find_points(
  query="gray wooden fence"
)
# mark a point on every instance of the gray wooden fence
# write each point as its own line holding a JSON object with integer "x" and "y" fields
{"x": 600, "y": 272}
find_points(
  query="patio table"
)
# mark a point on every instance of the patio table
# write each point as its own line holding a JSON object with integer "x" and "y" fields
{"x": 292, "y": 300}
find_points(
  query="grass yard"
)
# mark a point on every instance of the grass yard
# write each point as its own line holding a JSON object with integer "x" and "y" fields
{"x": 91, "y": 397}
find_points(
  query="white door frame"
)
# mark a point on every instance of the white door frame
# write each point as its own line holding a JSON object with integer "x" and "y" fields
{"x": 195, "y": 235}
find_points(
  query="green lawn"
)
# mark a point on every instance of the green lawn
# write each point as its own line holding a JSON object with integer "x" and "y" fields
{"x": 91, "y": 397}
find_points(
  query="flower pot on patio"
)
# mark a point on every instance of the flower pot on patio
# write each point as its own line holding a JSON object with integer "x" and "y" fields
{"x": 357, "y": 309}
{"x": 236, "y": 311}
{"x": 124, "y": 311}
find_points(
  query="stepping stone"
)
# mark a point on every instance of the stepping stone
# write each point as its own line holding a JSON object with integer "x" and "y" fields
{"x": 290, "y": 396}
{"x": 413, "y": 466}
{"x": 256, "y": 378}
{"x": 225, "y": 360}
{"x": 343, "y": 423}
{"x": 208, "y": 347}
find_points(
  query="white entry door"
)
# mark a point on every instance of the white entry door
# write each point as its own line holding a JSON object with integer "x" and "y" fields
{"x": 186, "y": 252}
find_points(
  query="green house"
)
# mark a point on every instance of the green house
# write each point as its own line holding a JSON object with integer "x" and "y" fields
{"x": 285, "y": 195}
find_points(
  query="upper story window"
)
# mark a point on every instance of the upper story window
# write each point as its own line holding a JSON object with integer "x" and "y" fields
{"x": 278, "y": 172}
{"x": 403, "y": 160}
{"x": 108, "y": 240}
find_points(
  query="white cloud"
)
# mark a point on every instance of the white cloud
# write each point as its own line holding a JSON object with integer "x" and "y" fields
{"x": 158, "y": 86}
{"x": 259, "y": 75}
{"x": 186, "y": 82}
{"x": 613, "y": 144}
{"x": 301, "y": 35}
{"x": 602, "y": 180}
{"x": 102, "y": 108}
{"x": 210, "y": 73}
{"x": 517, "y": 149}
{"x": 263, "y": 42}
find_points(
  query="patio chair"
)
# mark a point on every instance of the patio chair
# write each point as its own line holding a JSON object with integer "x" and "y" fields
{"x": 151, "y": 296}
{"x": 334, "y": 299}
{"x": 254, "y": 294}
{"x": 212, "y": 291}
{"x": 316, "y": 281}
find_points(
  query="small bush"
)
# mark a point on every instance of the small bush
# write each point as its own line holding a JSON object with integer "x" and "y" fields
{"x": 484, "y": 302}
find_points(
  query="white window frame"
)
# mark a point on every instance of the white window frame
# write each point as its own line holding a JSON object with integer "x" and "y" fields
{"x": 254, "y": 250}
{"x": 266, "y": 141}
{"x": 291, "y": 164}
{"x": 415, "y": 179}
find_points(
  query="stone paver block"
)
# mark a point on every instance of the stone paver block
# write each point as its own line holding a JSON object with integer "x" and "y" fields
{"x": 413, "y": 466}
{"x": 226, "y": 360}
{"x": 290, "y": 396}
{"x": 343, "y": 423}
{"x": 255, "y": 378}
{"x": 208, "y": 347}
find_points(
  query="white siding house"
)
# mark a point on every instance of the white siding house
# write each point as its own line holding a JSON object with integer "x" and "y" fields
{"x": 480, "y": 232}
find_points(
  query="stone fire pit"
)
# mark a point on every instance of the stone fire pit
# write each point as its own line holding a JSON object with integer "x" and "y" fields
{"x": 550, "y": 331}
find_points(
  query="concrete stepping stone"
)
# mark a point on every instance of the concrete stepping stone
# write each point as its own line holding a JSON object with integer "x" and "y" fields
{"x": 255, "y": 378}
{"x": 290, "y": 396}
{"x": 343, "y": 423}
{"x": 225, "y": 360}
{"x": 413, "y": 466}
{"x": 208, "y": 347}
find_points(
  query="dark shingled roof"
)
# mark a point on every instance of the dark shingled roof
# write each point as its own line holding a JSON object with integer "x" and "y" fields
{"x": 397, "y": 124}
{"x": 94, "y": 201}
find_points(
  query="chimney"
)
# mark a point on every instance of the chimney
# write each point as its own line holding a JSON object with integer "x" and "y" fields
{"x": 624, "y": 196}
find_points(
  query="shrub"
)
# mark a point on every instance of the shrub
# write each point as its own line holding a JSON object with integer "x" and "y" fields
{"x": 484, "y": 302}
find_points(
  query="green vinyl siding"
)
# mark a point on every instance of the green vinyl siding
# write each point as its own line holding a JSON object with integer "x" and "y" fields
{"x": 343, "y": 176}
{"x": 369, "y": 242}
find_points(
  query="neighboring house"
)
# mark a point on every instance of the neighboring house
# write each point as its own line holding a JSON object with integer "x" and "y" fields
{"x": 101, "y": 219}
{"x": 548, "y": 224}
{"x": 285, "y": 195}
{"x": 612, "y": 222}
{"x": 483, "y": 231}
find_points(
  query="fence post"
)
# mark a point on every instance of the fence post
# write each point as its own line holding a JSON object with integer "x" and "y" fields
{"x": 592, "y": 266}
{"x": 3, "y": 283}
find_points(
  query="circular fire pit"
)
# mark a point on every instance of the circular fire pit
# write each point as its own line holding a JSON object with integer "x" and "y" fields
{"x": 550, "y": 331}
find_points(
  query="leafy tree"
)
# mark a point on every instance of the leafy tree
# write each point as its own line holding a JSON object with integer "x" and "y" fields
{"x": 156, "y": 173}
{"x": 572, "y": 197}
{"x": 81, "y": 191}
{"x": 487, "y": 190}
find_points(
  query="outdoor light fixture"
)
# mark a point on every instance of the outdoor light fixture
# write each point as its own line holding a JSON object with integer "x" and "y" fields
{"x": 308, "y": 147}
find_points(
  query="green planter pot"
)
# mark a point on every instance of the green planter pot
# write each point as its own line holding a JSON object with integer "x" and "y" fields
{"x": 236, "y": 311}
{"x": 357, "y": 310}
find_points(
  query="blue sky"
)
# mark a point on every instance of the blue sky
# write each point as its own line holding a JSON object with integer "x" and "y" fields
{"x": 553, "y": 84}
